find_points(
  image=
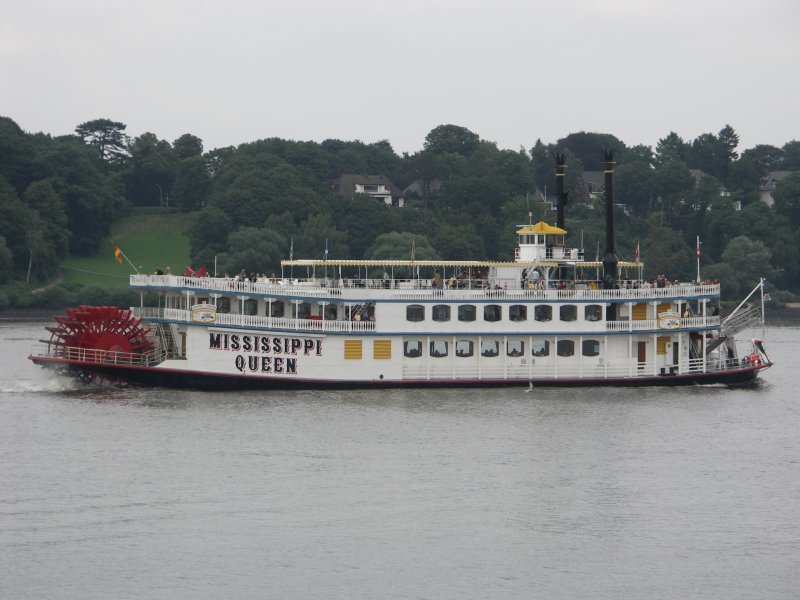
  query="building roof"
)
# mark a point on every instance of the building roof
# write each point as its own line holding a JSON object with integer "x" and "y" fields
{"x": 346, "y": 184}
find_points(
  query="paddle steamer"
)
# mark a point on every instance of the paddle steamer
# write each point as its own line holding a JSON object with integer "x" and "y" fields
{"x": 548, "y": 317}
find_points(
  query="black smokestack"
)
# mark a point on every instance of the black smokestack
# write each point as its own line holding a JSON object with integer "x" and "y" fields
{"x": 610, "y": 260}
{"x": 561, "y": 197}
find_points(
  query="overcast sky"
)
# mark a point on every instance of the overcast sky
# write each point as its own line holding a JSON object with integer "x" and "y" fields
{"x": 511, "y": 71}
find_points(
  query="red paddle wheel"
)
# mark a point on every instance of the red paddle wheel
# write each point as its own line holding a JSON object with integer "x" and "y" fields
{"x": 100, "y": 328}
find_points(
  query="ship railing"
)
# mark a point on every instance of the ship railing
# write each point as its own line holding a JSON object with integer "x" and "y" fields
{"x": 256, "y": 321}
{"x": 650, "y": 324}
{"x": 497, "y": 369}
{"x": 408, "y": 289}
{"x": 92, "y": 355}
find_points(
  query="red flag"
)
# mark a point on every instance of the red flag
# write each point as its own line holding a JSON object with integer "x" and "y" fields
{"x": 117, "y": 254}
{"x": 637, "y": 252}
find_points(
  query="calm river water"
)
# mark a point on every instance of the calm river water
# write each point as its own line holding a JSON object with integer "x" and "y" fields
{"x": 606, "y": 493}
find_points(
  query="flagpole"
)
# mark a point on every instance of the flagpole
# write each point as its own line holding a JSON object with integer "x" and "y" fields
{"x": 697, "y": 254}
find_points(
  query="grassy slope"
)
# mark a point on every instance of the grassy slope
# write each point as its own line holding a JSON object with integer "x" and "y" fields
{"x": 150, "y": 241}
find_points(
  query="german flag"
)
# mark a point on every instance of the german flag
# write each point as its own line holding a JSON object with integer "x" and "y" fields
{"x": 117, "y": 254}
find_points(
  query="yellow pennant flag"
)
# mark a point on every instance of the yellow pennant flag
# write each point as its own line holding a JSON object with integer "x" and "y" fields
{"x": 117, "y": 254}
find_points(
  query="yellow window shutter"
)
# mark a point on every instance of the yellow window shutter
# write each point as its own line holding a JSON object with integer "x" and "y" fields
{"x": 382, "y": 349}
{"x": 352, "y": 350}
{"x": 661, "y": 344}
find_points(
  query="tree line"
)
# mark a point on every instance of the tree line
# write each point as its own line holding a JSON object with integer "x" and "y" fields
{"x": 252, "y": 203}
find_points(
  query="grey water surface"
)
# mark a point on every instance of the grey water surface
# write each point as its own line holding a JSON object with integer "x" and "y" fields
{"x": 493, "y": 493}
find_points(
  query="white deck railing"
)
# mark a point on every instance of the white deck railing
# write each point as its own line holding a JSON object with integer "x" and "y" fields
{"x": 376, "y": 289}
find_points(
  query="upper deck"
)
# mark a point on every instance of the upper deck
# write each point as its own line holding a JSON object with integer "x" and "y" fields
{"x": 393, "y": 290}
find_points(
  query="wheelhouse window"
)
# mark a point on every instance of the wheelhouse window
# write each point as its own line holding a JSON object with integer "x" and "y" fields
{"x": 223, "y": 305}
{"x": 438, "y": 348}
{"x": 440, "y": 312}
{"x": 490, "y": 348}
{"x": 492, "y": 312}
{"x": 540, "y": 348}
{"x": 568, "y": 312}
{"x": 565, "y": 348}
{"x": 591, "y": 347}
{"x": 412, "y": 348}
{"x": 277, "y": 309}
{"x": 415, "y": 313}
{"x": 466, "y": 312}
{"x": 518, "y": 312}
{"x": 515, "y": 348}
{"x": 465, "y": 348}
{"x": 593, "y": 312}
{"x": 543, "y": 313}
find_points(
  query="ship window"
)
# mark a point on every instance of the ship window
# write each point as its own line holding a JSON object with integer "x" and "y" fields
{"x": 465, "y": 348}
{"x": 565, "y": 348}
{"x": 415, "y": 312}
{"x": 515, "y": 348}
{"x": 540, "y": 348}
{"x": 490, "y": 348}
{"x": 331, "y": 312}
{"x": 251, "y": 306}
{"x": 492, "y": 312}
{"x": 440, "y": 312}
{"x": 568, "y": 312}
{"x": 277, "y": 309}
{"x": 224, "y": 305}
{"x": 543, "y": 313}
{"x": 353, "y": 350}
{"x": 593, "y": 312}
{"x": 466, "y": 312}
{"x": 591, "y": 347}
{"x": 412, "y": 348}
{"x": 518, "y": 312}
{"x": 438, "y": 348}
{"x": 303, "y": 310}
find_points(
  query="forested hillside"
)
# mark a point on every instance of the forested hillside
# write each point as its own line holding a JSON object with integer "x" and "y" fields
{"x": 251, "y": 203}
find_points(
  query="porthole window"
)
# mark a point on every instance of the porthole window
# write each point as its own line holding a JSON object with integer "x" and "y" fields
{"x": 440, "y": 312}
{"x": 565, "y": 348}
{"x": 540, "y": 348}
{"x": 277, "y": 309}
{"x": 568, "y": 312}
{"x": 518, "y": 312}
{"x": 490, "y": 348}
{"x": 438, "y": 348}
{"x": 543, "y": 313}
{"x": 415, "y": 312}
{"x": 515, "y": 348}
{"x": 412, "y": 348}
{"x": 465, "y": 348}
{"x": 593, "y": 312}
{"x": 466, "y": 312}
{"x": 591, "y": 347}
{"x": 492, "y": 312}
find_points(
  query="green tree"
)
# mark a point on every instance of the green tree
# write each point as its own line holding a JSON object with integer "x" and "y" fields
{"x": 672, "y": 183}
{"x": 6, "y": 263}
{"x": 791, "y": 156}
{"x": 208, "y": 235}
{"x": 152, "y": 171}
{"x": 765, "y": 158}
{"x": 187, "y": 146}
{"x": 669, "y": 148}
{"x": 446, "y": 139}
{"x": 633, "y": 186}
{"x": 256, "y": 250}
{"x": 192, "y": 184}
{"x": 107, "y": 137}
{"x": 52, "y": 234}
{"x": 319, "y": 233}
{"x": 787, "y": 199}
{"x": 401, "y": 245}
